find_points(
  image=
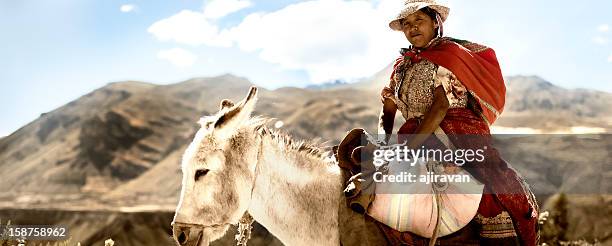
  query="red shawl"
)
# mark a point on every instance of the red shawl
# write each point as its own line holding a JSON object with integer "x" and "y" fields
{"x": 475, "y": 66}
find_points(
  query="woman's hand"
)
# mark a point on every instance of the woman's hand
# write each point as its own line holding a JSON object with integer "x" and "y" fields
{"x": 431, "y": 119}
{"x": 387, "y": 116}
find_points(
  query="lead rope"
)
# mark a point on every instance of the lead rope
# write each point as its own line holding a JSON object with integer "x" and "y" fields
{"x": 441, "y": 135}
{"x": 437, "y": 200}
{"x": 245, "y": 224}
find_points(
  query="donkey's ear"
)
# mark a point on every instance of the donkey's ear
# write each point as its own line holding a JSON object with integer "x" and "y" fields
{"x": 226, "y": 103}
{"x": 236, "y": 114}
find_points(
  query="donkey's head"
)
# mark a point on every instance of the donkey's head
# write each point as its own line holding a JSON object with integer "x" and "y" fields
{"x": 218, "y": 173}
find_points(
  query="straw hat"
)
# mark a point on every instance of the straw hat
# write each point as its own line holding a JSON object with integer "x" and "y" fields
{"x": 412, "y": 6}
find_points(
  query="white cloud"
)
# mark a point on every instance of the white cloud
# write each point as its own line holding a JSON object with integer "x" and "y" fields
{"x": 314, "y": 36}
{"x": 603, "y": 28}
{"x": 177, "y": 56}
{"x": 126, "y": 8}
{"x": 216, "y": 9}
{"x": 610, "y": 58}
{"x": 188, "y": 27}
{"x": 600, "y": 40}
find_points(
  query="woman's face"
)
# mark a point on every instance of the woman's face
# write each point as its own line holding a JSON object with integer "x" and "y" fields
{"x": 419, "y": 29}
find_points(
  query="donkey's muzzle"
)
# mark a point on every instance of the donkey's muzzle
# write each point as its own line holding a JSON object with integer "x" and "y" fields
{"x": 185, "y": 235}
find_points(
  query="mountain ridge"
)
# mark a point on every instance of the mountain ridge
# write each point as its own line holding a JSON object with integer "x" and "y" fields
{"x": 123, "y": 129}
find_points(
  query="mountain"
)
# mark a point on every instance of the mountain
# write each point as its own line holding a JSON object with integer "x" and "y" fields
{"x": 108, "y": 136}
{"x": 327, "y": 85}
{"x": 107, "y": 140}
{"x": 555, "y": 107}
{"x": 115, "y": 146}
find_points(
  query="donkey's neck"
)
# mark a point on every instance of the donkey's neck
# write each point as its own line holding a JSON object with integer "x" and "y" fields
{"x": 296, "y": 195}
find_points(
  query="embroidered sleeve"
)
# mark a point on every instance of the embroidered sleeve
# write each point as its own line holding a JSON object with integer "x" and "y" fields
{"x": 389, "y": 90}
{"x": 456, "y": 93}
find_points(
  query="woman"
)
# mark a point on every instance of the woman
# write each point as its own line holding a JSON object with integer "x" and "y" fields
{"x": 456, "y": 86}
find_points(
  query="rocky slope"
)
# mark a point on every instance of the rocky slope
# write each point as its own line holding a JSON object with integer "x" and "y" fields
{"x": 556, "y": 107}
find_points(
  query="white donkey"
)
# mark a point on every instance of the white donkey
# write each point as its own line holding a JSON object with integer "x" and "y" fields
{"x": 236, "y": 165}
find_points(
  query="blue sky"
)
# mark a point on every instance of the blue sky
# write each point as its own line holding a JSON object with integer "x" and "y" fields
{"x": 57, "y": 50}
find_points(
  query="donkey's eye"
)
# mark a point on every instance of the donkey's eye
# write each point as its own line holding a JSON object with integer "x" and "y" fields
{"x": 200, "y": 173}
